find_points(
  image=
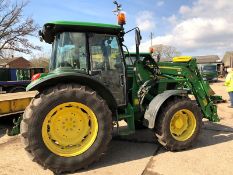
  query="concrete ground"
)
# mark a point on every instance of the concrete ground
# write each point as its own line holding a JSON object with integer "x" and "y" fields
{"x": 122, "y": 157}
{"x": 212, "y": 154}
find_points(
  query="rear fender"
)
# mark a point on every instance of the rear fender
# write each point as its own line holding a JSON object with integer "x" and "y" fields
{"x": 154, "y": 106}
{"x": 52, "y": 79}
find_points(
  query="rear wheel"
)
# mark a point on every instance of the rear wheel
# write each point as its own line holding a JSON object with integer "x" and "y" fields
{"x": 66, "y": 128}
{"x": 178, "y": 124}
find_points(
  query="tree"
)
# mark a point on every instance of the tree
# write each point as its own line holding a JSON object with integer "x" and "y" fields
{"x": 165, "y": 51}
{"x": 40, "y": 62}
{"x": 15, "y": 28}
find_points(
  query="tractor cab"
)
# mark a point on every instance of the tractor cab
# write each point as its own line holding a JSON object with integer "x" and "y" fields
{"x": 86, "y": 52}
{"x": 92, "y": 49}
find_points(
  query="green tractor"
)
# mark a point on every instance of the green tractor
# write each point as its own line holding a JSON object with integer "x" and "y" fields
{"x": 90, "y": 88}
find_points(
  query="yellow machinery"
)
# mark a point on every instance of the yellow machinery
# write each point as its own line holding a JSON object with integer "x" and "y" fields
{"x": 13, "y": 103}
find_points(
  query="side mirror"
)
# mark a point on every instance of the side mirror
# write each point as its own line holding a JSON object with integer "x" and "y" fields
{"x": 138, "y": 37}
{"x": 40, "y": 35}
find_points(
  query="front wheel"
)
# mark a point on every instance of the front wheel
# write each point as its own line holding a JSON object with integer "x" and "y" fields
{"x": 178, "y": 124}
{"x": 66, "y": 128}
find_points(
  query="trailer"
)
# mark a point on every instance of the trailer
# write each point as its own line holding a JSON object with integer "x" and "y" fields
{"x": 16, "y": 79}
{"x": 15, "y": 103}
{"x": 13, "y": 86}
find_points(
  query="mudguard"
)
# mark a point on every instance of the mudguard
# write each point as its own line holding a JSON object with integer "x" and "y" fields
{"x": 154, "y": 106}
{"x": 52, "y": 79}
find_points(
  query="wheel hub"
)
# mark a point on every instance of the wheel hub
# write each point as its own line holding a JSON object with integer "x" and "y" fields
{"x": 179, "y": 123}
{"x": 182, "y": 125}
{"x": 69, "y": 129}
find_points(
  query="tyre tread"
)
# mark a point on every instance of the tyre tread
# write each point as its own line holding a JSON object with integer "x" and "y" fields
{"x": 36, "y": 154}
{"x": 160, "y": 130}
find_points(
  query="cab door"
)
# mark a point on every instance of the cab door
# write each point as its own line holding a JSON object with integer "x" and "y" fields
{"x": 107, "y": 60}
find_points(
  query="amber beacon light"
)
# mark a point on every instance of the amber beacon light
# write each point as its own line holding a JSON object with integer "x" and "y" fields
{"x": 121, "y": 18}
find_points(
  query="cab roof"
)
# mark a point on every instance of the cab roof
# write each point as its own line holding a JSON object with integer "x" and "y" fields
{"x": 50, "y": 29}
{"x": 87, "y": 24}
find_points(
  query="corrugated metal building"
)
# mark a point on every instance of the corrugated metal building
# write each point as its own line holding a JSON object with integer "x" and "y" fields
{"x": 228, "y": 59}
{"x": 208, "y": 59}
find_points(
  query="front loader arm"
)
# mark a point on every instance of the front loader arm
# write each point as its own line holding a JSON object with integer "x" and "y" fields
{"x": 194, "y": 81}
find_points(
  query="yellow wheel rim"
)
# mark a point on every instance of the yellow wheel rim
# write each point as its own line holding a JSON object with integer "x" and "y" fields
{"x": 182, "y": 125}
{"x": 69, "y": 129}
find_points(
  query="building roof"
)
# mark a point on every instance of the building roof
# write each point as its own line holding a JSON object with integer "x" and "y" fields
{"x": 208, "y": 59}
{"x": 6, "y": 61}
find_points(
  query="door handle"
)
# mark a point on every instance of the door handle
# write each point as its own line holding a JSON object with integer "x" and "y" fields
{"x": 122, "y": 79}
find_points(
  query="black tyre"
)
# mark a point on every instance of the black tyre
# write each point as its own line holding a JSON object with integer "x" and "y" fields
{"x": 178, "y": 124}
{"x": 66, "y": 128}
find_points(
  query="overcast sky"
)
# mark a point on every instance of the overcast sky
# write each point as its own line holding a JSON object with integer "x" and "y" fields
{"x": 194, "y": 27}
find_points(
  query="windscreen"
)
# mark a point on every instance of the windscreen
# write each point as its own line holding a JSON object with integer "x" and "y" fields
{"x": 69, "y": 50}
{"x": 209, "y": 68}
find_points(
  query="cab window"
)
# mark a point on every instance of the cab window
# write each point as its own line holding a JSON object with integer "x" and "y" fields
{"x": 105, "y": 52}
{"x": 69, "y": 50}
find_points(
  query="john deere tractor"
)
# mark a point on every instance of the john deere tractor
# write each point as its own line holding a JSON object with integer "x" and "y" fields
{"x": 90, "y": 88}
